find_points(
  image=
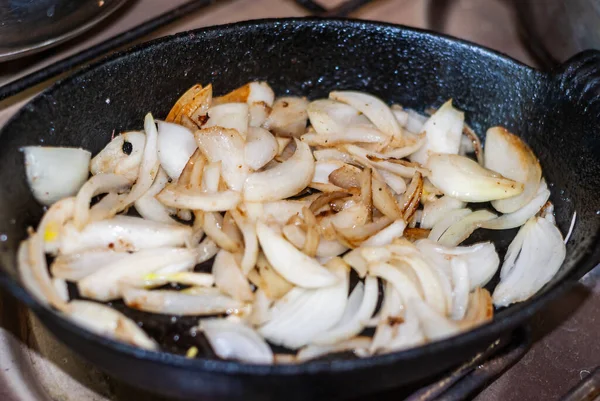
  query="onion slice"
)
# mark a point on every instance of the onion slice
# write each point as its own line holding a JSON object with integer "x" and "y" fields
{"x": 121, "y": 156}
{"x": 98, "y": 184}
{"x": 229, "y": 277}
{"x": 461, "y": 230}
{"x": 54, "y": 173}
{"x": 359, "y": 345}
{"x": 234, "y": 340}
{"x": 285, "y": 180}
{"x": 436, "y": 210}
{"x": 261, "y": 147}
{"x": 194, "y": 199}
{"x": 176, "y": 144}
{"x": 108, "y": 322}
{"x": 290, "y": 263}
{"x": 288, "y": 117}
{"x": 149, "y": 207}
{"x": 464, "y": 179}
{"x": 532, "y": 259}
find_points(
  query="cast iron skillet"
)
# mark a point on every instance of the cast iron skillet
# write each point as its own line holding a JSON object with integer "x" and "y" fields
{"x": 556, "y": 113}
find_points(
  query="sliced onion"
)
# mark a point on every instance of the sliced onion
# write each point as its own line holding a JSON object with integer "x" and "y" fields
{"x": 461, "y": 230}
{"x": 270, "y": 281}
{"x": 323, "y": 169}
{"x": 355, "y": 134}
{"x": 408, "y": 334}
{"x": 106, "y": 321}
{"x": 235, "y": 340}
{"x": 435, "y": 326}
{"x": 282, "y": 210}
{"x": 248, "y": 229}
{"x": 285, "y": 180}
{"x": 391, "y": 307}
{"x": 326, "y": 248}
{"x": 398, "y": 167}
{"x": 113, "y": 160}
{"x": 375, "y": 109}
{"x": 532, "y": 259}
{"x": 394, "y": 181}
{"x": 149, "y": 207}
{"x": 214, "y": 229}
{"x": 482, "y": 259}
{"x": 303, "y": 314}
{"x": 354, "y": 236}
{"x": 194, "y": 199}
{"x": 261, "y": 147}
{"x": 480, "y": 309}
{"x": 464, "y": 179}
{"x": 176, "y": 144}
{"x": 207, "y": 249}
{"x": 98, "y": 184}
{"x": 415, "y": 121}
{"x": 179, "y": 303}
{"x": 193, "y": 105}
{"x": 508, "y": 155}
{"x": 383, "y": 199}
{"x": 387, "y": 235}
{"x": 359, "y": 309}
{"x": 430, "y": 284}
{"x": 359, "y": 345}
{"x": 288, "y": 117}
{"x": 332, "y": 154}
{"x": 249, "y": 93}
{"x": 443, "y": 131}
{"x": 176, "y": 273}
{"x": 347, "y": 176}
{"x": 520, "y": 217}
{"x": 290, "y": 263}
{"x": 49, "y": 229}
{"x": 460, "y": 280}
{"x": 401, "y": 281}
{"x": 227, "y": 146}
{"x": 148, "y": 167}
{"x": 232, "y": 116}
{"x": 27, "y": 276}
{"x": 329, "y": 117}
{"x": 54, "y": 173}
{"x": 229, "y": 277}
{"x": 436, "y": 210}
{"x": 123, "y": 233}
{"x": 442, "y": 225}
{"x": 103, "y": 285}
{"x": 77, "y": 266}
{"x": 407, "y": 149}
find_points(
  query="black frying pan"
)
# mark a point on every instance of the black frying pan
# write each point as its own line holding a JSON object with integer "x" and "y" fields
{"x": 557, "y": 114}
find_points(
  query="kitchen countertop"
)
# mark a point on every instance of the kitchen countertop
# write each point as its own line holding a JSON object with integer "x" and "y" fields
{"x": 33, "y": 366}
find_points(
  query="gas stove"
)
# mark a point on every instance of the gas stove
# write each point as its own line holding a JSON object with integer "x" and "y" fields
{"x": 555, "y": 357}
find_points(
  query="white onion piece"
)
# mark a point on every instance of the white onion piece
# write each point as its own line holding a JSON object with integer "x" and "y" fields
{"x": 207, "y": 249}
{"x": 290, "y": 263}
{"x": 532, "y": 259}
{"x": 113, "y": 160}
{"x": 359, "y": 345}
{"x": 288, "y": 117}
{"x": 174, "y": 273}
{"x": 460, "y": 280}
{"x": 408, "y": 334}
{"x": 260, "y": 308}
{"x": 105, "y": 321}
{"x": 401, "y": 281}
{"x": 359, "y": 309}
{"x": 148, "y": 206}
{"x": 443, "y": 131}
{"x": 125, "y": 233}
{"x": 104, "y": 284}
{"x": 179, "y": 303}
{"x": 434, "y": 326}
{"x": 329, "y": 117}
{"x": 282, "y": 143}
{"x": 195, "y": 199}
{"x": 382, "y": 337}
{"x": 401, "y": 115}
{"x": 432, "y": 289}
{"x": 461, "y": 230}
{"x": 261, "y": 147}
{"x": 324, "y": 168}
{"x": 451, "y": 217}
{"x": 357, "y": 262}
{"x": 394, "y": 181}
{"x": 233, "y": 116}
{"x": 50, "y": 228}
{"x": 211, "y": 175}
{"x": 107, "y": 206}
{"x": 285, "y": 180}
{"x": 148, "y": 167}
{"x": 261, "y": 91}
{"x": 415, "y": 121}
{"x": 227, "y": 146}
{"x": 76, "y": 266}
{"x": 213, "y": 227}
{"x": 508, "y": 155}
{"x": 235, "y": 340}
{"x": 332, "y": 154}
{"x": 466, "y": 180}
{"x": 176, "y": 144}
{"x": 520, "y": 217}
{"x": 98, "y": 184}
{"x": 387, "y": 235}
{"x": 362, "y": 134}
{"x": 375, "y": 109}
{"x": 408, "y": 149}
{"x": 54, "y": 173}
{"x": 26, "y": 273}
{"x": 303, "y": 314}
{"x": 280, "y": 211}
{"x": 229, "y": 277}
{"x": 362, "y": 155}
{"x": 60, "y": 286}
{"x": 248, "y": 229}
{"x": 436, "y": 210}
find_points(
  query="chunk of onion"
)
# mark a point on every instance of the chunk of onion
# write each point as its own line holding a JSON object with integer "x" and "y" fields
{"x": 288, "y": 117}
{"x": 232, "y": 116}
{"x": 114, "y": 160}
{"x": 176, "y": 144}
{"x": 261, "y": 147}
{"x": 229, "y": 277}
{"x": 54, "y": 173}
{"x": 464, "y": 179}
